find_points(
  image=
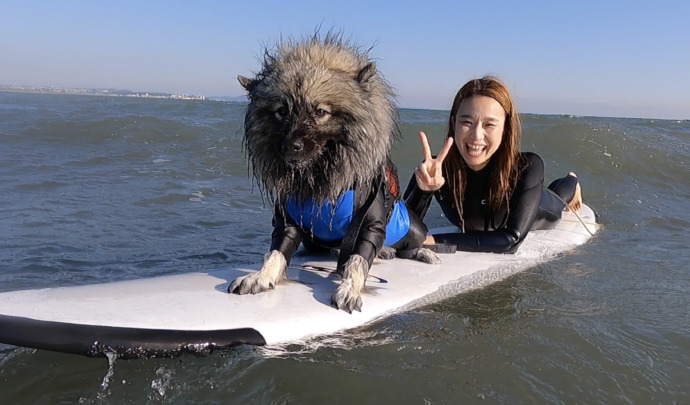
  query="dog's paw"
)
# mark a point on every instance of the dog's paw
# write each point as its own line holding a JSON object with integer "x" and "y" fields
{"x": 251, "y": 284}
{"x": 387, "y": 253}
{"x": 427, "y": 256}
{"x": 348, "y": 295}
{"x": 347, "y": 298}
{"x": 273, "y": 270}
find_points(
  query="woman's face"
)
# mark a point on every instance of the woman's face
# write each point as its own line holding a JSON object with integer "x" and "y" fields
{"x": 479, "y": 124}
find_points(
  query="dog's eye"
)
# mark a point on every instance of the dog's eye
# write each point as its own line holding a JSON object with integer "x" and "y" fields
{"x": 320, "y": 112}
{"x": 281, "y": 113}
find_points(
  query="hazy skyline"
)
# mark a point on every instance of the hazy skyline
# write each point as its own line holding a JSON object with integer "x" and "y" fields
{"x": 585, "y": 58}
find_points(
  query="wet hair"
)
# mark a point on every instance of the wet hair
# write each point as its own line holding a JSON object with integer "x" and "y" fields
{"x": 505, "y": 161}
{"x": 349, "y": 147}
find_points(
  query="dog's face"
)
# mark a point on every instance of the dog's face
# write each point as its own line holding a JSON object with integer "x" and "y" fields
{"x": 320, "y": 119}
{"x": 305, "y": 133}
{"x": 299, "y": 131}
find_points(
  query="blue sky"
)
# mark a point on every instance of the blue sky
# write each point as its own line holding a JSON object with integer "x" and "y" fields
{"x": 598, "y": 58}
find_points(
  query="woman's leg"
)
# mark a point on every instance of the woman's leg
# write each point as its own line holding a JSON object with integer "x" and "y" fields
{"x": 568, "y": 195}
{"x": 568, "y": 188}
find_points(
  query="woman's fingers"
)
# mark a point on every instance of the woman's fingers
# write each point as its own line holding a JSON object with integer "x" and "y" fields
{"x": 422, "y": 173}
{"x": 429, "y": 174}
{"x": 444, "y": 151}
{"x": 426, "y": 150}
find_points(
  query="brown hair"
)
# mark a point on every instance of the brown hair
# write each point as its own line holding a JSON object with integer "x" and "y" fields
{"x": 505, "y": 166}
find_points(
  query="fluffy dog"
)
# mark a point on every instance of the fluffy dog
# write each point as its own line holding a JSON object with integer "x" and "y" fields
{"x": 318, "y": 132}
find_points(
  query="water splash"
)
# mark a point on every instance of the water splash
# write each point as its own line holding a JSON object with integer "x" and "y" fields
{"x": 161, "y": 384}
{"x": 345, "y": 340}
{"x": 112, "y": 356}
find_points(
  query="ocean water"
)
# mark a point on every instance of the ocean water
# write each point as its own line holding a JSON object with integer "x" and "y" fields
{"x": 98, "y": 189}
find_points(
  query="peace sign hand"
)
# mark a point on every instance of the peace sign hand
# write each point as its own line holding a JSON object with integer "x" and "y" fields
{"x": 428, "y": 174}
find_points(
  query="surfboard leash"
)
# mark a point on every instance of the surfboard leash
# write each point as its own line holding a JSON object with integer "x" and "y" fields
{"x": 308, "y": 267}
{"x": 574, "y": 212}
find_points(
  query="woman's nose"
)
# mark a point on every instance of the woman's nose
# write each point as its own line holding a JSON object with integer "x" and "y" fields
{"x": 477, "y": 132}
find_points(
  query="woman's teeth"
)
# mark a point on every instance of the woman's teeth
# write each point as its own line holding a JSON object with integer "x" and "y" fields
{"x": 475, "y": 149}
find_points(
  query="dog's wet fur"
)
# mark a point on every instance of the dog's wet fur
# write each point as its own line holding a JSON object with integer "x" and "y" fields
{"x": 320, "y": 120}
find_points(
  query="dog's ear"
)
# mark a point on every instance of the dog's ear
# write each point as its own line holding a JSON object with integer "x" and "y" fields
{"x": 248, "y": 84}
{"x": 365, "y": 75}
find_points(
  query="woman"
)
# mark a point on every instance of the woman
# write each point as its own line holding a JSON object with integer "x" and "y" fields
{"x": 488, "y": 188}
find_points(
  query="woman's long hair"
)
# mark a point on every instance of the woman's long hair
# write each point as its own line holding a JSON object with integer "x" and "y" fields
{"x": 505, "y": 159}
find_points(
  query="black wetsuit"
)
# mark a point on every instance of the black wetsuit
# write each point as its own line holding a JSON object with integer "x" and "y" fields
{"x": 530, "y": 207}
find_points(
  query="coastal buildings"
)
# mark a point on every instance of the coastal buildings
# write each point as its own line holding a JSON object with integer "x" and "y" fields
{"x": 97, "y": 92}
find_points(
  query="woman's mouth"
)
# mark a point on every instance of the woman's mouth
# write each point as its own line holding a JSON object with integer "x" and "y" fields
{"x": 475, "y": 150}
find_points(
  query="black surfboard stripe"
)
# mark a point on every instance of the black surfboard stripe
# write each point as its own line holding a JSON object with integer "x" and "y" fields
{"x": 95, "y": 340}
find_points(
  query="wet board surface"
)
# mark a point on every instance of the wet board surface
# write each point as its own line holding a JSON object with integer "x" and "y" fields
{"x": 192, "y": 312}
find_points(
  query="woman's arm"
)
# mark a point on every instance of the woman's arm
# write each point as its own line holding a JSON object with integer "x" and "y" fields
{"x": 523, "y": 208}
{"x": 416, "y": 199}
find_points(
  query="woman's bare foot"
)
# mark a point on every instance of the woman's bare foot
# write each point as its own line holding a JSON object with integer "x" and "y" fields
{"x": 576, "y": 203}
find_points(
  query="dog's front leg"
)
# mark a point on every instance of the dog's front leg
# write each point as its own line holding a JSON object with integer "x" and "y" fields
{"x": 273, "y": 271}
{"x": 348, "y": 295}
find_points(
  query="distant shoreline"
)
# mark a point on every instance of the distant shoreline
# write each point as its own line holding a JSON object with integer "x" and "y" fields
{"x": 110, "y": 93}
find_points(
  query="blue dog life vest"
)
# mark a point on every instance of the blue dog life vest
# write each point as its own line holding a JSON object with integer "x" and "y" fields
{"x": 332, "y": 228}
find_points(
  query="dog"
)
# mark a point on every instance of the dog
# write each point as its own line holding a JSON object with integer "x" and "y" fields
{"x": 318, "y": 132}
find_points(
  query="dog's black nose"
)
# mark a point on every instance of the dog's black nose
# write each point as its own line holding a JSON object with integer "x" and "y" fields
{"x": 292, "y": 146}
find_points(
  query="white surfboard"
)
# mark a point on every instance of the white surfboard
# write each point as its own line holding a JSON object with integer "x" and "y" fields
{"x": 167, "y": 315}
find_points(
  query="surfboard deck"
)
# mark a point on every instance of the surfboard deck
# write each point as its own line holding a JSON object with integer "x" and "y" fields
{"x": 164, "y": 316}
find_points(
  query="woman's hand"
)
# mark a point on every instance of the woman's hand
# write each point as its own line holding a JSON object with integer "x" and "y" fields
{"x": 429, "y": 174}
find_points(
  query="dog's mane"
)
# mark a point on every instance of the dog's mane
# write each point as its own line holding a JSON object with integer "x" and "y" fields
{"x": 365, "y": 107}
